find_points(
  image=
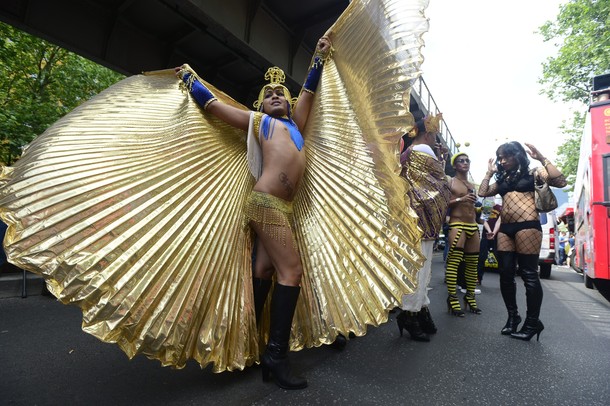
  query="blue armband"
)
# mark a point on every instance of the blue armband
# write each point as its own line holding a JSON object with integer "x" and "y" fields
{"x": 313, "y": 76}
{"x": 201, "y": 94}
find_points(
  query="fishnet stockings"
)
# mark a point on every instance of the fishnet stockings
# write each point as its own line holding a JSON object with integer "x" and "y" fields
{"x": 526, "y": 241}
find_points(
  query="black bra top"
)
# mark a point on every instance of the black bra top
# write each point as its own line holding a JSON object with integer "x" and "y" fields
{"x": 525, "y": 184}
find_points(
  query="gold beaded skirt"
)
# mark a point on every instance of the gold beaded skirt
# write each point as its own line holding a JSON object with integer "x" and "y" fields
{"x": 131, "y": 206}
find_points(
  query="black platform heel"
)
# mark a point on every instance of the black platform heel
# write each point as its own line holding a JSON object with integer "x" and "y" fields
{"x": 530, "y": 328}
{"x": 453, "y": 306}
{"x": 511, "y": 324}
{"x": 408, "y": 321}
{"x": 426, "y": 322}
{"x": 470, "y": 301}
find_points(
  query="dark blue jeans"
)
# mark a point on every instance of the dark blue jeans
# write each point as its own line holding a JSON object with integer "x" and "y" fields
{"x": 483, "y": 250}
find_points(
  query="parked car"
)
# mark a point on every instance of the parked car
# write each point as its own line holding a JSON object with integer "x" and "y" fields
{"x": 549, "y": 255}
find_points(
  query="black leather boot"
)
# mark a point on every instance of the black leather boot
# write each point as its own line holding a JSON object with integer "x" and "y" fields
{"x": 531, "y": 327}
{"x": 531, "y": 281}
{"x": 425, "y": 321}
{"x": 533, "y": 294}
{"x": 261, "y": 291}
{"x": 408, "y": 321}
{"x": 512, "y": 324}
{"x": 275, "y": 359}
{"x": 508, "y": 288}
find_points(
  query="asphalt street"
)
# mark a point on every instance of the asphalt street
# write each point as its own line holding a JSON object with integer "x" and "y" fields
{"x": 45, "y": 359}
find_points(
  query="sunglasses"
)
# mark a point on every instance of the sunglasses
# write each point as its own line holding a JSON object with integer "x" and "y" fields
{"x": 463, "y": 161}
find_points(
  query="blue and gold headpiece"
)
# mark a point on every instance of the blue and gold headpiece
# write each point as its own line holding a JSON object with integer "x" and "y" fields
{"x": 276, "y": 77}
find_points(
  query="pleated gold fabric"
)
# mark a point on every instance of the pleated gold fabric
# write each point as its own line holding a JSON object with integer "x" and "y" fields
{"x": 131, "y": 206}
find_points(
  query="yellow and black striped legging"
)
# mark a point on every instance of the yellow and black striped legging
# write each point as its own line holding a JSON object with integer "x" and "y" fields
{"x": 456, "y": 256}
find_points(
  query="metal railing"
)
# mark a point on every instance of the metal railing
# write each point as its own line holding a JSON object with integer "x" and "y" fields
{"x": 428, "y": 105}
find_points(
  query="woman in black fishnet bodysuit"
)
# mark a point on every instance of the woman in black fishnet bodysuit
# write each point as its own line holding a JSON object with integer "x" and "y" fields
{"x": 520, "y": 235}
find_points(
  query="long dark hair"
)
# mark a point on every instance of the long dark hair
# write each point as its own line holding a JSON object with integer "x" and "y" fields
{"x": 515, "y": 149}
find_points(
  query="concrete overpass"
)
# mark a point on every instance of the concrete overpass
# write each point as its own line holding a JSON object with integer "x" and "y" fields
{"x": 230, "y": 43}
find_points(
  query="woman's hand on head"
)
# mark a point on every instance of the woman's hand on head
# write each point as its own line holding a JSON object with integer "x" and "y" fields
{"x": 491, "y": 165}
{"x": 533, "y": 152}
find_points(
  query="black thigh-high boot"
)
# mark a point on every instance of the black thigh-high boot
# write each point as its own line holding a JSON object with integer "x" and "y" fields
{"x": 533, "y": 293}
{"x": 508, "y": 287}
{"x": 275, "y": 359}
{"x": 261, "y": 291}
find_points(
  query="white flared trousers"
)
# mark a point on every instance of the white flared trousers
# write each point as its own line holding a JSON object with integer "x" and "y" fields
{"x": 413, "y": 302}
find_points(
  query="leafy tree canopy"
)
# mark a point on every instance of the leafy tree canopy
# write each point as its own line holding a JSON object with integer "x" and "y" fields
{"x": 569, "y": 152}
{"x": 582, "y": 35}
{"x": 39, "y": 83}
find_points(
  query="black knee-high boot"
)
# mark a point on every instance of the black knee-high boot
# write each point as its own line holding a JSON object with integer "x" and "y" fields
{"x": 508, "y": 288}
{"x": 533, "y": 294}
{"x": 261, "y": 291}
{"x": 275, "y": 359}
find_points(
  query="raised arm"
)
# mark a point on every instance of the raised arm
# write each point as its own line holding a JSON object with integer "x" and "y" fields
{"x": 305, "y": 100}
{"x": 550, "y": 174}
{"x": 205, "y": 98}
{"x": 485, "y": 190}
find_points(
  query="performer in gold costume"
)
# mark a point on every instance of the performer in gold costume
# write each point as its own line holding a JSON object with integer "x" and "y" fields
{"x": 423, "y": 167}
{"x": 278, "y": 166}
{"x": 133, "y": 206}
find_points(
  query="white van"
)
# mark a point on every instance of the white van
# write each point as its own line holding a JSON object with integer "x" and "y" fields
{"x": 549, "y": 255}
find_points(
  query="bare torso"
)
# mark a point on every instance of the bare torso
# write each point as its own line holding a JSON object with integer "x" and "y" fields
{"x": 283, "y": 164}
{"x": 464, "y": 210}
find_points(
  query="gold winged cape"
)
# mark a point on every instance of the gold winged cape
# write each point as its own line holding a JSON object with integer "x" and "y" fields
{"x": 131, "y": 205}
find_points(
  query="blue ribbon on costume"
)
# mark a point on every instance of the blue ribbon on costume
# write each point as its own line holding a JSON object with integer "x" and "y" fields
{"x": 268, "y": 124}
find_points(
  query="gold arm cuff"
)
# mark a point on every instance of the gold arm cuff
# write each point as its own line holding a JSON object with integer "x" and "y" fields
{"x": 208, "y": 102}
{"x": 309, "y": 91}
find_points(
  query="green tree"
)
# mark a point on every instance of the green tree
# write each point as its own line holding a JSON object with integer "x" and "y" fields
{"x": 39, "y": 83}
{"x": 581, "y": 32}
{"x": 568, "y": 153}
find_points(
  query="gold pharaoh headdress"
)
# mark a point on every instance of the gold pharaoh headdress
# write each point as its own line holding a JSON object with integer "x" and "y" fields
{"x": 276, "y": 77}
{"x": 431, "y": 125}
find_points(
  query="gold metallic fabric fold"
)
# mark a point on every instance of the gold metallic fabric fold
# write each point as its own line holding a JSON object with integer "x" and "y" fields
{"x": 132, "y": 206}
